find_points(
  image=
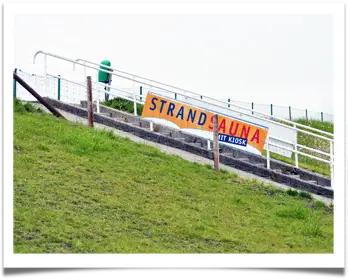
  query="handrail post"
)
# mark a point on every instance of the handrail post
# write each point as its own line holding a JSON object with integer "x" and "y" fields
{"x": 295, "y": 148}
{"x": 208, "y": 145}
{"x": 331, "y": 163}
{"x": 58, "y": 87}
{"x": 268, "y": 154}
{"x": 15, "y": 85}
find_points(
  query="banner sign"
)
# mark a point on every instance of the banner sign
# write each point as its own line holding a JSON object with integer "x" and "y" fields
{"x": 232, "y": 131}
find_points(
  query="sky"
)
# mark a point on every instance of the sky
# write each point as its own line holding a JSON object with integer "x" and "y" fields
{"x": 283, "y": 60}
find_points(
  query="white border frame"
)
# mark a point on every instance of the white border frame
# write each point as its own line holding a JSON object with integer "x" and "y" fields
{"x": 335, "y": 260}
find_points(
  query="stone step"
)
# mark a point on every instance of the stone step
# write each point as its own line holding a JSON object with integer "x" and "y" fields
{"x": 244, "y": 159}
{"x": 312, "y": 182}
{"x": 180, "y": 139}
{"x": 294, "y": 175}
{"x": 278, "y": 170}
{"x": 197, "y": 144}
{"x": 260, "y": 164}
{"x": 105, "y": 114}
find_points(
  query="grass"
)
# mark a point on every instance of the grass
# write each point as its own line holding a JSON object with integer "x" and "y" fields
{"x": 79, "y": 190}
{"x": 123, "y": 105}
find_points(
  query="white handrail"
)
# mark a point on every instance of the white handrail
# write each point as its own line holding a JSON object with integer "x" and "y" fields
{"x": 187, "y": 91}
{"x": 247, "y": 114}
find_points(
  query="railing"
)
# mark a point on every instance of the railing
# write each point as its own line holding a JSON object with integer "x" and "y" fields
{"x": 211, "y": 101}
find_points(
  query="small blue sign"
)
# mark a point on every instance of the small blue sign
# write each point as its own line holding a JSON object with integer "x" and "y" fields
{"x": 233, "y": 140}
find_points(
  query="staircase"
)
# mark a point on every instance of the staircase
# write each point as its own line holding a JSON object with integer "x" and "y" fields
{"x": 280, "y": 172}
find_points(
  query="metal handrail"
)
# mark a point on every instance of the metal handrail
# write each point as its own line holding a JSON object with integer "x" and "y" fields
{"x": 187, "y": 91}
{"x": 268, "y": 120}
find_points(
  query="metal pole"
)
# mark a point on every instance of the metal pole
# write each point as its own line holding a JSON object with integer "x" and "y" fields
{"x": 45, "y": 81}
{"x": 252, "y": 108}
{"x": 216, "y": 143}
{"x": 306, "y": 115}
{"x": 290, "y": 113}
{"x": 271, "y": 109}
{"x": 37, "y": 96}
{"x": 89, "y": 101}
{"x": 268, "y": 154}
{"x": 322, "y": 117}
{"x": 59, "y": 87}
{"x": 295, "y": 148}
{"x": 175, "y": 95}
{"x": 141, "y": 93}
{"x": 135, "y": 104}
{"x": 151, "y": 125}
{"x": 98, "y": 107}
{"x": 229, "y": 100}
{"x": 332, "y": 164}
{"x": 15, "y": 85}
{"x": 208, "y": 144}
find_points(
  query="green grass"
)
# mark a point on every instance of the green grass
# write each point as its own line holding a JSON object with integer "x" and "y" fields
{"x": 123, "y": 105}
{"x": 78, "y": 190}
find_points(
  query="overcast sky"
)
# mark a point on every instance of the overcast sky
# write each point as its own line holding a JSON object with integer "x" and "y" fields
{"x": 284, "y": 60}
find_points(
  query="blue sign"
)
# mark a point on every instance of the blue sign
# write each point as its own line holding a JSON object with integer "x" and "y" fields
{"x": 233, "y": 140}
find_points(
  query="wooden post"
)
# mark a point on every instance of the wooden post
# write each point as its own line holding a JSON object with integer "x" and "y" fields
{"x": 216, "y": 143}
{"x": 89, "y": 101}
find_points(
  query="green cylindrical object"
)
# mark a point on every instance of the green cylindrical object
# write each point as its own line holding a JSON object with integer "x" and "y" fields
{"x": 102, "y": 76}
{"x": 59, "y": 87}
{"x": 15, "y": 86}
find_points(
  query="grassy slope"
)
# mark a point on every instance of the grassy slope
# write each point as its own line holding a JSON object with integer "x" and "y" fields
{"x": 85, "y": 191}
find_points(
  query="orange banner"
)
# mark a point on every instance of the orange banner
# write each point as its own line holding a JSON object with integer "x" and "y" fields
{"x": 186, "y": 116}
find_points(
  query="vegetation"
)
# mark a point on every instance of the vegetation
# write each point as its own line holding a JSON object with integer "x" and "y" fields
{"x": 79, "y": 190}
{"x": 123, "y": 105}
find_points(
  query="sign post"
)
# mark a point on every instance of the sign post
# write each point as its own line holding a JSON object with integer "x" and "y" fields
{"x": 89, "y": 101}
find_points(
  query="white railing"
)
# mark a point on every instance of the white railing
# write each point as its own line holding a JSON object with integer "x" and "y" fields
{"x": 218, "y": 103}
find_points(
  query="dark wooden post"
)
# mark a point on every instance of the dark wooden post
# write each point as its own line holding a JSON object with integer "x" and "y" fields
{"x": 89, "y": 101}
{"x": 216, "y": 143}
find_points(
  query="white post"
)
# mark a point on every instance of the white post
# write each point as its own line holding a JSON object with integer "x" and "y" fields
{"x": 208, "y": 144}
{"x": 331, "y": 164}
{"x": 135, "y": 103}
{"x": 45, "y": 81}
{"x": 151, "y": 125}
{"x": 268, "y": 154}
{"x": 295, "y": 148}
{"x": 98, "y": 108}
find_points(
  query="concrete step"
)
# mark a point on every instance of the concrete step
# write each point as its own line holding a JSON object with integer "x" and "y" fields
{"x": 244, "y": 159}
{"x": 105, "y": 114}
{"x": 260, "y": 164}
{"x": 278, "y": 170}
{"x": 312, "y": 182}
{"x": 294, "y": 176}
{"x": 180, "y": 139}
{"x": 197, "y": 144}
{"x": 168, "y": 134}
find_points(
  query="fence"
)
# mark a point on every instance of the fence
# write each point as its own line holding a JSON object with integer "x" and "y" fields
{"x": 284, "y": 112}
